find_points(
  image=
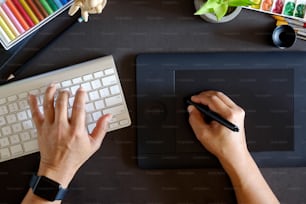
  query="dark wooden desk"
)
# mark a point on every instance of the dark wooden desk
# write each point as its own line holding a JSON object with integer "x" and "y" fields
{"x": 125, "y": 29}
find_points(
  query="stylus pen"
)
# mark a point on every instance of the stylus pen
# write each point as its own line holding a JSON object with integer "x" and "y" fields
{"x": 214, "y": 116}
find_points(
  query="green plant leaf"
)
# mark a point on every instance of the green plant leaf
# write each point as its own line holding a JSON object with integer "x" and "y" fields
{"x": 208, "y": 7}
{"x": 236, "y": 3}
{"x": 220, "y": 11}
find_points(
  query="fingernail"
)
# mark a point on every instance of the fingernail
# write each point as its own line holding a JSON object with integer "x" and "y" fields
{"x": 190, "y": 108}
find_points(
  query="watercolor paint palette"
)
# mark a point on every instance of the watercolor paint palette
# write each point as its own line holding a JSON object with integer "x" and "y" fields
{"x": 295, "y": 9}
{"x": 20, "y": 18}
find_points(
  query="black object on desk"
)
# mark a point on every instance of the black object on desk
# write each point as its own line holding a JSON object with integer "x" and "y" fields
{"x": 267, "y": 85}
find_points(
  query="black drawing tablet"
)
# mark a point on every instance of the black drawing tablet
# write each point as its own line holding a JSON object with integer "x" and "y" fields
{"x": 268, "y": 86}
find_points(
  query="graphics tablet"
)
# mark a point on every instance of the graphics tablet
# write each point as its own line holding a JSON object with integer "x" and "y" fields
{"x": 269, "y": 86}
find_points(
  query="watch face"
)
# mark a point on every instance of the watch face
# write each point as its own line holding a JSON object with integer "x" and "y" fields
{"x": 46, "y": 189}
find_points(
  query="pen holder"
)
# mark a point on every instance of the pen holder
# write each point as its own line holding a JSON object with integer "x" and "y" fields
{"x": 283, "y": 36}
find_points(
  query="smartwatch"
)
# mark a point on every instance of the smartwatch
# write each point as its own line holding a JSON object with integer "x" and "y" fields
{"x": 47, "y": 188}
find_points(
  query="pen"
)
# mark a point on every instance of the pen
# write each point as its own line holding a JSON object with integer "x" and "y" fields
{"x": 213, "y": 115}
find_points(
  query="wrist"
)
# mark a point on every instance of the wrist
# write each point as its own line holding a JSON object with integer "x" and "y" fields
{"x": 62, "y": 176}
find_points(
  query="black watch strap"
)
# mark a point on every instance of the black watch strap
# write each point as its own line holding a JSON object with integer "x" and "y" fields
{"x": 46, "y": 188}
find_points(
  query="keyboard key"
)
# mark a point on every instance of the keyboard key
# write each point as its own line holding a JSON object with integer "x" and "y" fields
{"x": 27, "y": 124}
{"x": 3, "y": 110}
{"x": 113, "y": 125}
{"x": 77, "y": 80}
{"x": 16, "y": 149}
{"x": 106, "y": 81}
{"x": 13, "y": 107}
{"x": 66, "y": 83}
{"x": 2, "y": 121}
{"x": 109, "y": 71}
{"x": 6, "y": 130}
{"x": 2, "y": 101}
{"x": 17, "y": 128}
{"x": 99, "y": 104}
{"x": 115, "y": 90}
{"x": 114, "y": 111}
{"x": 4, "y": 142}
{"x": 14, "y": 139}
{"x": 94, "y": 95}
{"x": 114, "y": 100}
{"x": 30, "y": 146}
{"x": 12, "y": 98}
{"x": 11, "y": 118}
{"x": 4, "y": 153}
{"x": 96, "y": 84}
{"x": 98, "y": 74}
{"x": 22, "y": 116}
{"x": 104, "y": 92}
{"x": 88, "y": 77}
{"x": 24, "y": 136}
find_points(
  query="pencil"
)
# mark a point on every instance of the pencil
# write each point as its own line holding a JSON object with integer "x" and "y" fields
{"x": 23, "y": 13}
{"x": 214, "y": 116}
{"x": 4, "y": 36}
{"x": 46, "y": 6}
{"x": 58, "y": 3}
{"x": 52, "y": 5}
{"x": 35, "y": 9}
{"x": 41, "y": 8}
{"x": 17, "y": 14}
{"x": 29, "y": 11}
{"x": 6, "y": 29}
{"x": 8, "y": 22}
{"x": 14, "y": 20}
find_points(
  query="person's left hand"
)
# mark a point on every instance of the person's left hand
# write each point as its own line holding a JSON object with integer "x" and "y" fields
{"x": 87, "y": 7}
{"x": 64, "y": 142}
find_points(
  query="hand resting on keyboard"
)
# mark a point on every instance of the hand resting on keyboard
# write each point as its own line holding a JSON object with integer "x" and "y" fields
{"x": 64, "y": 142}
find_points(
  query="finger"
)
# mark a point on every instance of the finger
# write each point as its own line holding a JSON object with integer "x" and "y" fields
{"x": 197, "y": 122}
{"x": 48, "y": 103}
{"x": 100, "y": 130}
{"x": 61, "y": 107}
{"x": 213, "y": 102}
{"x": 219, "y": 94}
{"x": 74, "y": 8}
{"x": 37, "y": 116}
{"x": 78, "y": 110}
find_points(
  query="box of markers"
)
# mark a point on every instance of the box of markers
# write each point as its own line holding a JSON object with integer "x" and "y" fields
{"x": 20, "y": 18}
{"x": 295, "y": 9}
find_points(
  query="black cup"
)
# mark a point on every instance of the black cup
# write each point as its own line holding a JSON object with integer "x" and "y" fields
{"x": 283, "y": 36}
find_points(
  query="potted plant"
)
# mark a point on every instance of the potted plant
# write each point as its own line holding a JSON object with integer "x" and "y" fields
{"x": 220, "y": 11}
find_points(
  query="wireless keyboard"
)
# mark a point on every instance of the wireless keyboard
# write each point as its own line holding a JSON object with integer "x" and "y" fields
{"x": 98, "y": 77}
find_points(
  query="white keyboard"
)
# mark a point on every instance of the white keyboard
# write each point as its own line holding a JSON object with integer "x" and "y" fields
{"x": 98, "y": 77}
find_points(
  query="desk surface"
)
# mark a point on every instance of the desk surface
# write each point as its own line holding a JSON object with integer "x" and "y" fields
{"x": 125, "y": 29}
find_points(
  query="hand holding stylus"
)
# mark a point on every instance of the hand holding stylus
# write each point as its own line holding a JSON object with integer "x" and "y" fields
{"x": 230, "y": 147}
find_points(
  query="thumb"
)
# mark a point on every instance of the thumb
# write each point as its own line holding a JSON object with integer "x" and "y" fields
{"x": 100, "y": 130}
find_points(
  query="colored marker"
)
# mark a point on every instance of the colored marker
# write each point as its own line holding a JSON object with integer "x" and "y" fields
{"x": 46, "y": 6}
{"x": 6, "y": 29}
{"x": 8, "y": 22}
{"x": 41, "y": 8}
{"x": 17, "y": 14}
{"x": 9, "y": 13}
{"x": 64, "y": 2}
{"x": 52, "y": 5}
{"x": 4, "y": 36}
{"x": 58, "y": 3}
{"x": 35, "y": 9}
{"x": 23, "y": 13}
{"x": 29, "y": 11}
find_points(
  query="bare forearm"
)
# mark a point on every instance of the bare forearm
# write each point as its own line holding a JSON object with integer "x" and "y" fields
{"x": 249, "y": 184}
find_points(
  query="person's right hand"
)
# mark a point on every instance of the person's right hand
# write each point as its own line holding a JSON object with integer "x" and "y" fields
{"x": 225, "y": 144}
